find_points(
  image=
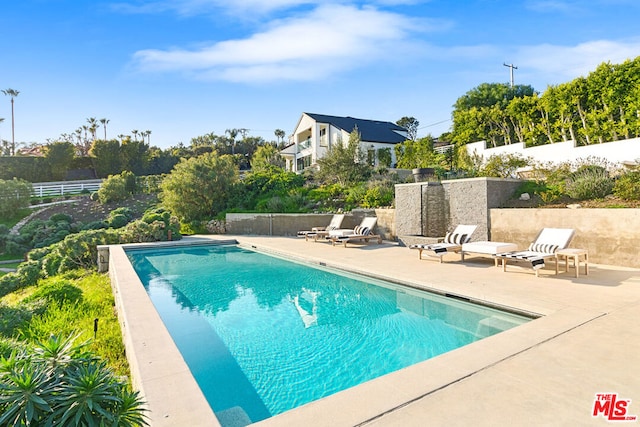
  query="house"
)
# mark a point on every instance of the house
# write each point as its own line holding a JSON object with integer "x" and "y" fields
{"x": 315, "y": 134}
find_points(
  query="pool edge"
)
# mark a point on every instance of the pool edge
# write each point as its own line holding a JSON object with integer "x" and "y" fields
{"x": 158, "y": 370}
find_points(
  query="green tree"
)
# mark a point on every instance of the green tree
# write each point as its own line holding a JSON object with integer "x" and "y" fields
{"x": 199, "y": 188}
{"x": 417, "y": 154}
{"x": 265, "y": 158}
{"x": 60, "y": 157}
{"x": 106, "y": 157}
{"x": 12, "y": 93}
{"x": 134, "y": 155}
{"x": 280, "y": 134}
{"x": 345, "y": 165}
{"x": 104, "y": 126}
{"x": 411, "y": 125}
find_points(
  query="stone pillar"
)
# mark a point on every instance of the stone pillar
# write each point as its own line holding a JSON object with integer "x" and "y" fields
{"x": 103, "y": 258}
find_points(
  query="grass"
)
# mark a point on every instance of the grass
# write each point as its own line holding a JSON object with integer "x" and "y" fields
{"x": 63, "y": 305}
{"x": 14, "y": 219}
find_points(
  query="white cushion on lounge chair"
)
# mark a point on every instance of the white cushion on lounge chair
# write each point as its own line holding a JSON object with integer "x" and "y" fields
{"x": 335, "y": 223}
{"x": 453, "y": 242}
{"x": 547, "y": 243}
{"x": 366, "y": 225}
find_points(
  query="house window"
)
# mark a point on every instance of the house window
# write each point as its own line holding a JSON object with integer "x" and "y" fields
{"x": 324, "y": 141}
{"x": 303, "y": 163}
{"x": 371, "y": 156}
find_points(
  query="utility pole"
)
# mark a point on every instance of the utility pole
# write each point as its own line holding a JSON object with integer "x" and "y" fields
{"x": 511, "y": 68}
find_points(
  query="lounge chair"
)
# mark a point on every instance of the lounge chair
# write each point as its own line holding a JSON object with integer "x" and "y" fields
{"x": 317, "y": 232}
{"x": 361, "y": 232}
{"x": 548, "y": 241}
{"x": 452, "y": 242}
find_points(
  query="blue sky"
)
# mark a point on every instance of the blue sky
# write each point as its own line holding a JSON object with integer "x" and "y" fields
{"x": 183, "y": 68}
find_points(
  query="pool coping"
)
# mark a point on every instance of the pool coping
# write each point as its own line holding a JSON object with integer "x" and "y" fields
{"x": 174, "y": 398}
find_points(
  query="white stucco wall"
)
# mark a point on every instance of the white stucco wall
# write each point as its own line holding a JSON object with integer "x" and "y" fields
{"x": 615, "y": 151}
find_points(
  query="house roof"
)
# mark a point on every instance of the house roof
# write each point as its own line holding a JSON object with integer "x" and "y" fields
{"x": 370, "y": 130}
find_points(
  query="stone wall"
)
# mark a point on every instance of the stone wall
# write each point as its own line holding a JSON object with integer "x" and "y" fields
{"x": 278, "y": 224}
{"x": 610, "y": 235}
{"x": 431, "y": 209}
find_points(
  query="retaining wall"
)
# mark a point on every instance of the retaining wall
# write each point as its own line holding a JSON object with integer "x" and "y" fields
{"x": 277, "y": 224}
{"x": 611, "y": 236}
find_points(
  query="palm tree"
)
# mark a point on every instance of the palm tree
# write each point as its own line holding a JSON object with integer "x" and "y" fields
{"x": 104, "y": 125}
{"x": 135, "y": 134}
{"x": 147, "y": 133}
{"x": 12, "y": 93}
{"x": 280, "y": 134}
{"x": 93, "y": 126}
{"x": 232, "y": 134}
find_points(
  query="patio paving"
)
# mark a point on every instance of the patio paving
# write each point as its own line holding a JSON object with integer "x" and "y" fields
{"x": 546, "y": 372}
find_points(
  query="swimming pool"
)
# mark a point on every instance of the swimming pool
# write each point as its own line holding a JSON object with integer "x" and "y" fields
{"x": 262, "y": 335}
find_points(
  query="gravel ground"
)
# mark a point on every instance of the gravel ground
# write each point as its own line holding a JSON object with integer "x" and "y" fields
{"x": 83, "y": 209}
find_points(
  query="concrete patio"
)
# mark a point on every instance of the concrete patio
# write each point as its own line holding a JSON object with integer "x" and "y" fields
{"x": 546, "y": 372}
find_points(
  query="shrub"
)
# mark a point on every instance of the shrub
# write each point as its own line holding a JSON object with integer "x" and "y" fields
{"x": 10, "y": 282}
{"x": 29, "y": 272}
{"x": 589, "y": 182}
{"x": 14, "y": 248}
{"x": 117, "y": 221}
{"x": 60, "y": 217}
{"x": 113, "y": 189}
{"x": 378, "y": 196}
{"x": 95, "y": 225}
{"x": 15, "y": 194}
{"x": 503, "y": 166}
{"x": 130, "y": 184}
{"x": 58, "y": 291}
{"x": 627, "y": 186}
{"x": 58, "y": 382}
{"x": 200, "y": 187}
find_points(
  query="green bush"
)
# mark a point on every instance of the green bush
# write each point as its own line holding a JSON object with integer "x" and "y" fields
{"x": 113, "y": 189}
{"x": 15, "y": 195}
{"x": 39, "y": 234}
{"x": 627, "y": 186}
{"x": 130, "y": 183}
{"x": 94, "y": 225}
{"x": 60, "y": 217}
{"x": 58, "y": 291}
{"x": 503, "y": 166}
{"x": 378, "y": 196}
{"x": 30, "y": 272}
{"x": 117, "y": 221}
{"x": 589, "y": 182}
{"x": 10, "y": 282}
{"x": 58, "y": 382}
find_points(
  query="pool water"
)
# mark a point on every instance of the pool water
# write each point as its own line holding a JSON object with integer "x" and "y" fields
{"x": 263, "y": 335}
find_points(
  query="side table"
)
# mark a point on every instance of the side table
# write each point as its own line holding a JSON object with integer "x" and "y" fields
{"x": 576, "y": 254}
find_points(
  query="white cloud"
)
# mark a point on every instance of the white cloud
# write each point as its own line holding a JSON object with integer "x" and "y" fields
{"x": 306, "y": 47}
{"x": 244, "y": 9}
{"x": 569, "y": 62}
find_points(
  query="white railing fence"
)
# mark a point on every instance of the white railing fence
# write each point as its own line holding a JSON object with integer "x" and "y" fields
{"x": 48, "y": 189}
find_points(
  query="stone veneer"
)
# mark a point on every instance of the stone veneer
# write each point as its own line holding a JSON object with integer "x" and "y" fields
{"x": 428, "y": 209}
